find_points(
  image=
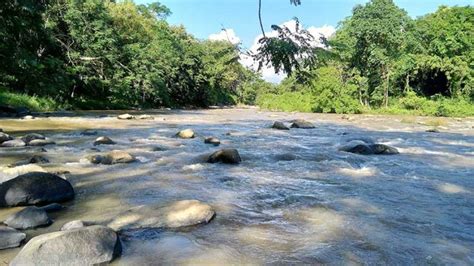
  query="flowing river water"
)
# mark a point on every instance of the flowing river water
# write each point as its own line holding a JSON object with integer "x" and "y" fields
{"x": 294, "y": 199}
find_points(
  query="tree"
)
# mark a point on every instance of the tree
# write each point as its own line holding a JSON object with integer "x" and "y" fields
{"x": 377, "y": 30}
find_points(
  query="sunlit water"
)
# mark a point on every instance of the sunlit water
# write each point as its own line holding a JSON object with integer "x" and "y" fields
{"x": 323, "y": 207}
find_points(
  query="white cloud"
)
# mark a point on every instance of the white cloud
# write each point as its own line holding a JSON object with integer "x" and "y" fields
{"x": 268, "y": 73}
{"x": 225, "y": 35}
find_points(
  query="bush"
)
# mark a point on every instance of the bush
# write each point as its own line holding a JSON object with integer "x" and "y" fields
{"x": 34, "y": 103}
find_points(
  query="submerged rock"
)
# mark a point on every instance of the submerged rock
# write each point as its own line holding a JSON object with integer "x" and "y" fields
{"x": 125, "y": 117}
{"x": 178, "y": 214}
{"x": 10, "y": 238}
{"x": 186, "y": 134}
{"x": 286, "y": 157}
{"x": 35, "y": 188}
{"x": 32, "y": 136}
{"x": 300, "y": 123}
{"x": 29, "y": 217}
{"x": 89, "y": 132}
{"x": 14, "y": 143}
{"x": 103, "y": 141}
{"x": 53, "y": 207}
{"x": 280, "y": 125}
{"x": 36, "y": 159}
{"x": 90, "y": 245}
{"x": 113, "y": 157}
{"x": 228, "y": 156}
{"x": 212, "y": 140}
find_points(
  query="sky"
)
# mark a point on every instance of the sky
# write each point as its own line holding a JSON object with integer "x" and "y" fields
{"x": 205, "y": 19}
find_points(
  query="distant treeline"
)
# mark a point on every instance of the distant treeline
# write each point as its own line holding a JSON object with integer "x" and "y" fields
{"x": 382, "y": 59}
{"x": 94, "y": 54}
{"x": 112, "y": 54}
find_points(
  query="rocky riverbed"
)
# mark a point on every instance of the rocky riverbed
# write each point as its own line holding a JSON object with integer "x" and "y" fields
{"x": 232, "y": 186}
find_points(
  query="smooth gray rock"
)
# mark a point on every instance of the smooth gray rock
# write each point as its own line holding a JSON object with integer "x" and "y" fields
{"x": 113, "y": 157}
{"x": 228, "y": 156}
{"x": 13, "y": 143}
{"x": 212, "y": 140}
{"x": 125, "y": 117}
{"x": 10, "y": 238}
{"x": 32, "y": 136}
{"x": 35, "y": 188}
{"x": 357, "y": 146}
{"x": 146, "y": 117}
{"x": 74, "y": 225}
{"x": 29, "y": 217}
{"x": 103, "y": 141}
{"x": 41, "y": 142}
{"x": 300, "y": 123}
{"x": 90, "y": 245}
{"x": 4, "y": 137}
{"x": 364, "y": 148}
{"x": 280, "y": 125}
{"x": 186, "y": 134}
{"x": 178, "y": 214}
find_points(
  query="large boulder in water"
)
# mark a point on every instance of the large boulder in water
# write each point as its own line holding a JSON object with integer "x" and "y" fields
{"x": 113, "y": 157}
{"x": 125, "y": 117}
{"x": 4, "y": 137}
{"x": 178, "y": 214}
{"x": 300, "y": 123}
{"x": 13, "y": 143}
{"x": 91, "y": 245}
{"x": 41, "y": 142}
{"x": 364, "y": 148}
{"x": 212, "y": 140}
{"x": 228, "y": 156}
{"x": 280, "y": 125}
{"x": 32, "y": 136}
{"x": 103, "y": 141}
{"x": 10, "y": 238}
{"x": 29, "y": 217}
{"x": 35, "y": 188}
{"x": 186, "y": 134}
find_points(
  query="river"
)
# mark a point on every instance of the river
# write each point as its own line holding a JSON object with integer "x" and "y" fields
{"x": 321, "y": 207}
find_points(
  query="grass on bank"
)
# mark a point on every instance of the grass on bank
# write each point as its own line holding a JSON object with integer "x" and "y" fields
{"x": 34, "y": 103}
{"x": 408, "y": 105}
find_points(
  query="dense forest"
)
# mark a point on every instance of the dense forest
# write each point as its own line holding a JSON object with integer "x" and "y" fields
{"x": 95, "y": 54}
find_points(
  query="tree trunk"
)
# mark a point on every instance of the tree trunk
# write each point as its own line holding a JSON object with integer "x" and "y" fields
{"x": 386, "y": 88}
{"x": 260, "y": 17}
{"x": 407, "y": 83}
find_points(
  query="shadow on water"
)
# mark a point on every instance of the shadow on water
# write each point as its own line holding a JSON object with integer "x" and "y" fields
{"x": 322, "y": 206}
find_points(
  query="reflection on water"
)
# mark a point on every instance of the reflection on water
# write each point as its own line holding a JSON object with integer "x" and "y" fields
{"x": 318, "y": 206}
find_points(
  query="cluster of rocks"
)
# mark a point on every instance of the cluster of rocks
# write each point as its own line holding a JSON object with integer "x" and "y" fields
{"x": 130, "y": 117}
{"x": 32, "y": 139}
{"x": 367, "y": 147}
{"x": 298, "y": 123}
{"x": 79, "y": 242}
{"x": 32, "y": 189}
{"x": 86, "y": 242}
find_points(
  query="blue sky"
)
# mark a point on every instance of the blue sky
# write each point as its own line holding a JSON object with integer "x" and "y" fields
{"x": 205, "y": 17}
